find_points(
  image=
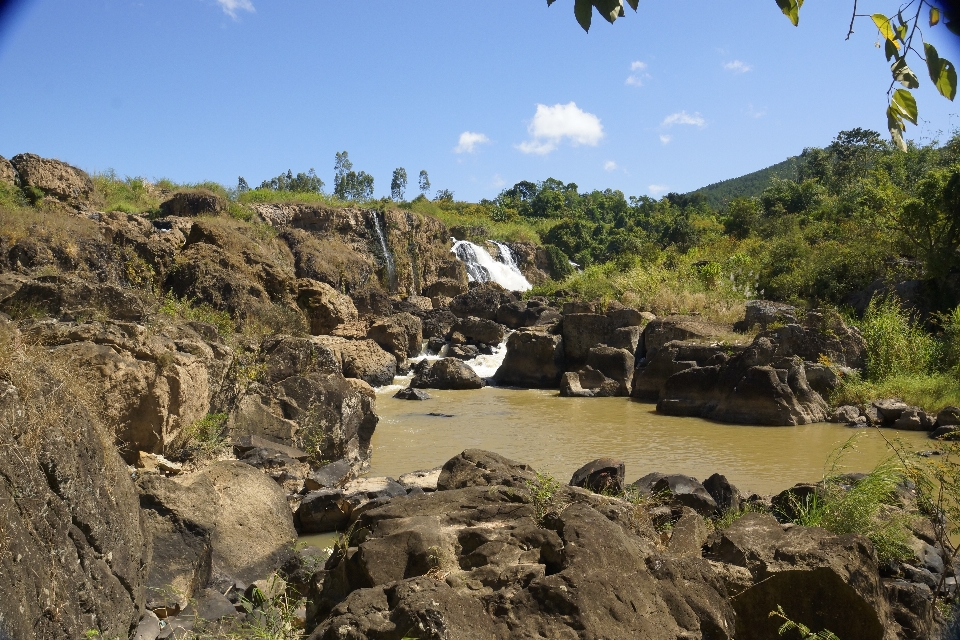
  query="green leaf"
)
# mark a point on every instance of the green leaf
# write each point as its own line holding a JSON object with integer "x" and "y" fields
{"x": 609, "y": 9}
{"x": 906, "y": 104}
{"x": 791, "y": 9}
{"x": 886, "y": 29}
{"x": 934, "y": 16}
{"x": 904, "y": 75}
{"x": 942, "y": 72}
{"x": 895, "y": 126}
{"x": 634, "y": 4}
{"x": 583, "y": 10}
{"x": 889, "y": 49}
{"x": 902, "y": 33}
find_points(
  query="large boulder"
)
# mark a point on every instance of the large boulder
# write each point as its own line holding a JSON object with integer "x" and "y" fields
{"x": 526, "y": 313}
{"x": 587, "y": 382}
{"x": 603, "y": 475}
{"x": 533, "y": 359}
{"x": 445, "y": 287}
{"x": 429, "y": 564}
{"x": 198, "y": 202}
{"x": 479, "y": 330}
{"x": 823, "y": 337}
{"x": 662, "y": 362}
{"x": 53, "y": 178}
{"x": 660, "y": 331}
{"x": 325, "y": 307}
{"x": 786, "y": 567}
{"x": 75, "y": 547}
{"x": 150, "y": 384}
{"x": 244, "y": 511}
{"x": 70, "y": 298}
{"x": 401, "y": 334}
{"x": 445, "y": 373}
{"x": 332, "y": 509}
{"x": 480, "y": 302}
{"x": 616, "y": 364}
{"x": 479, "y": 468}
{"x": 363, "y": 359}
{"x": 582, "y": 332}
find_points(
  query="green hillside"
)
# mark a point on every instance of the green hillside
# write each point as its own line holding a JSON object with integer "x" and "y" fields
{"x": 750, "y": 185}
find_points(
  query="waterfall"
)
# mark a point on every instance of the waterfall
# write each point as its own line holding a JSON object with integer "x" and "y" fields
{"x": 481, "y": 267}
{"x": 378, "y": 227}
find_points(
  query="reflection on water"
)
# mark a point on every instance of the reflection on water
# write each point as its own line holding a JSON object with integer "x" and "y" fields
{"x": 558, "y": 435}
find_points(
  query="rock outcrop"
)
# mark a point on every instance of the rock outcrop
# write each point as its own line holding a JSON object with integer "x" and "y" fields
{"x": 53, "y": 178}
{"x": 534, "y": 359}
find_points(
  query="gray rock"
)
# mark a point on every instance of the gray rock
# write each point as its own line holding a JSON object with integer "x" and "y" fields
{"x": 446, "y": 373}
{"x": 765, "y": 313}
{"x": 948, "y": 417}
{"x": 533, "y": 359}
{"x": 603, "y": 475}
{"x": 845, "y": 414}
{"x": 616, "y": 364}
{"x": 890, "y": 410}
{"x": 335, "y": 474}
{"x": 914, "y": 419}
{"x": 726, "y": 495}
{"x": 686, "y": 491}
{"x": 148, "y": 628}
{"x": 588, "y": 383}
{"x": 411, "y": 394}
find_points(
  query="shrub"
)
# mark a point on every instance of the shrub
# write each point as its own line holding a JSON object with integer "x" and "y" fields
{"x": 189, "y": 310}
{"x": 895, "y": 344}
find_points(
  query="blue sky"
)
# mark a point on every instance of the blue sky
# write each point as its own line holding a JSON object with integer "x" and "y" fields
{"x": 480, "y": 94}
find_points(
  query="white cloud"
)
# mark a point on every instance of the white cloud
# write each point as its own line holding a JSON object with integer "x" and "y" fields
{"x": 737, "y": 66}
{"x": 755, "y": 113}
{"x": 230, "y": 7}
{"x": 498, "y": 181}
{"x": 636, "y": 79}
{"x": 551, "y": 125}
{"x": 682, "y": 117}
{"x": 469, "y": 141}
{"x": 657, "y": 189}
{"x": 665, "y": 138}
{"x": 609, "y": 165}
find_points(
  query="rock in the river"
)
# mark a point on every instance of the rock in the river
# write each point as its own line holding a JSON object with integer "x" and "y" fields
{"x": 445, "y": 373}
{"x": 479, "y": 468}
{"x": 526, "y": 313}
{"x": 582, "y": 332}
{"x": 411, "y": 394}
{"x": 616, "y": 364}
{"x": 332, "y": 509}
{"x": 534, "y": 359}
{"x": 914, "y": 419}
{"x": 588, "y": 383}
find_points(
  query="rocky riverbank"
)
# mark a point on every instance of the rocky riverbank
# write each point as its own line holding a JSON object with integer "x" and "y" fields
{"x": 183, "y": 393}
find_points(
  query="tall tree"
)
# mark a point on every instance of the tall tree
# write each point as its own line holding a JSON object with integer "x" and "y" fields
{"x": 398, "y": 184}
{"x": 424, "y": 182}
{"x": 349, "y": 184}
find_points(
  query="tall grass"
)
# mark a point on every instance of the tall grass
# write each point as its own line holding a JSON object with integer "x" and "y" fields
{"x": 476, "y": 220}
{"x": 862, "y": 506}
{"x": 896, "y": 345}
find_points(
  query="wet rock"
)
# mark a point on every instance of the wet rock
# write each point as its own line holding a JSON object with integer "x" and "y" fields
{"x": 588, "y": 383}
{"x": 845, "y": 414}
{"x": 533, "y": 359}
{"x": 446, "y": 373}
{"x": 53, "y": 177}
{"x": 437, "y": 323}
{"x": 325, "y": 307}
{"x": 477, "y": 330}
{"x": 411, "y": 394}
{"x": 236, "y": 504}
{"x": 616, "y": 364}
{"x": 603, "y": 475}
{"x": 463, "y": 352}
{"x": 199, "y": 202}
{"x": 914, "y": 419}
{"x": 401, "y": 334}
{"x": 435, "y": 345}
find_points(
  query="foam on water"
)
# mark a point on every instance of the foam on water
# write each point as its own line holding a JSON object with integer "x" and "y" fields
{"x": 484, "y": 366}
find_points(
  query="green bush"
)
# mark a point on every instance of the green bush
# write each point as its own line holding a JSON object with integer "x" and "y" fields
{"x": 896, "y": 346}
{"x": 185, "y": 309}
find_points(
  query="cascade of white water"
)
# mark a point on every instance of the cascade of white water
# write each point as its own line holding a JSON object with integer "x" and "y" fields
{"x": 387, "y": 256}
{"x": 481, "y": 266}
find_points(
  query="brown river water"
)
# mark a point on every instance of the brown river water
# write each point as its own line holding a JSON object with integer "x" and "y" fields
{"x": 558, "y": 435}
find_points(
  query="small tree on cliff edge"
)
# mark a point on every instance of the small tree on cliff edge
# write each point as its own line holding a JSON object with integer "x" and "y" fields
{"x": 398, "y": 184}
{"x": 424, "y": 182}
{"x": 349, "y": 184}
